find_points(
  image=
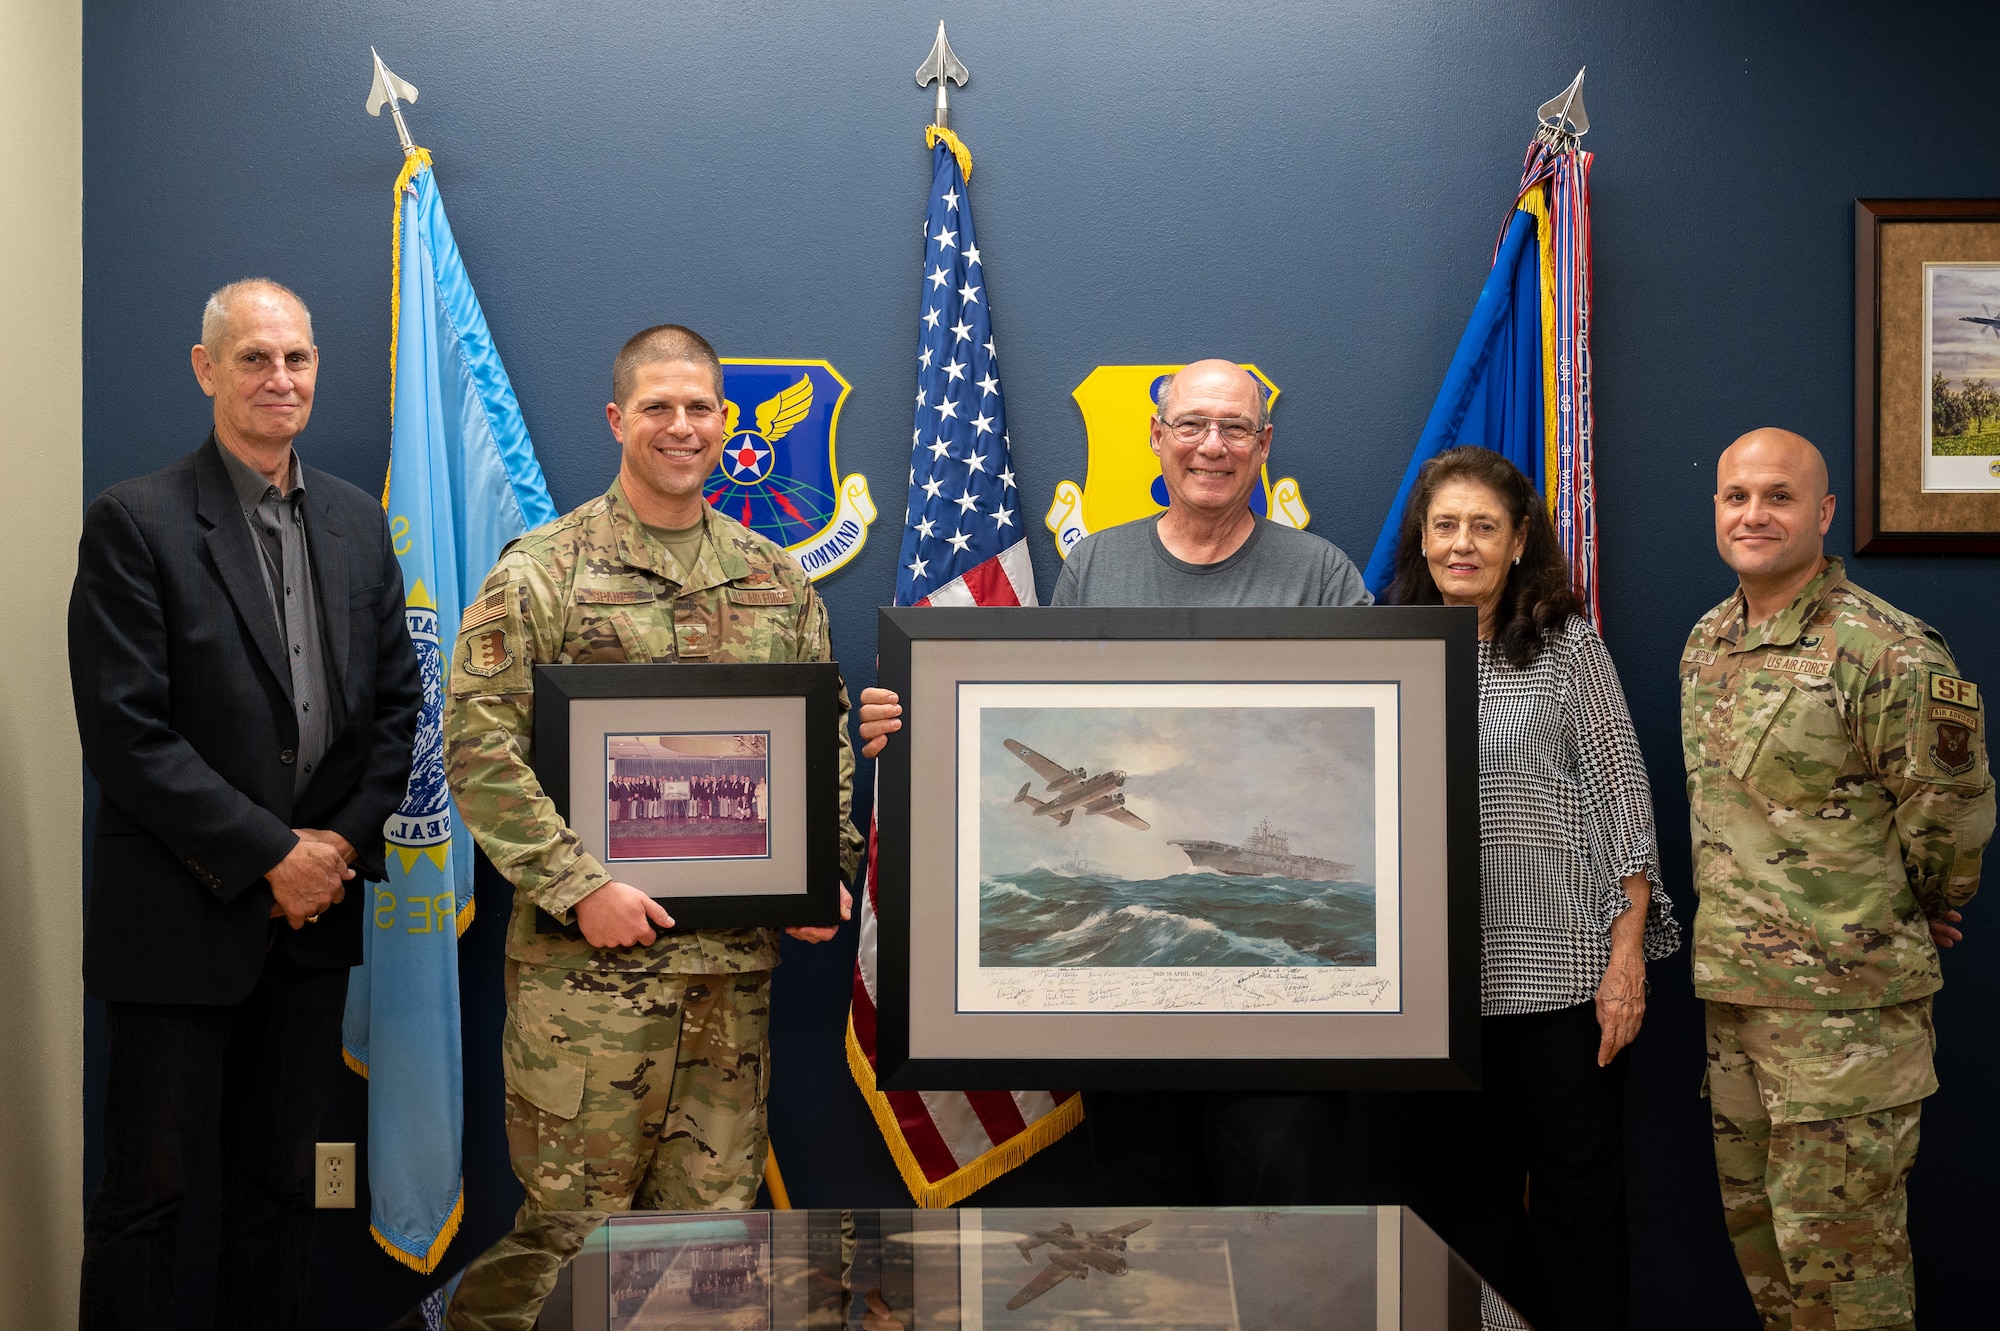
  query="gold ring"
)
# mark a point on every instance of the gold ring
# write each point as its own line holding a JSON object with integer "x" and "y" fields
{"x": 312, "y": 919}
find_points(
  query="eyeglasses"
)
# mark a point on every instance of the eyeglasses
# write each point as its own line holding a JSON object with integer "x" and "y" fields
{"x": 1235, "y": 431}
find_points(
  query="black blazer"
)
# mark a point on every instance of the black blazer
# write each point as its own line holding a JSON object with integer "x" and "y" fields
{"x": 184, "y": 703}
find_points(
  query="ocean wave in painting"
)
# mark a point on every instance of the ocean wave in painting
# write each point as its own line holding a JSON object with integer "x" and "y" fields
{"x": 1038, "y": 917}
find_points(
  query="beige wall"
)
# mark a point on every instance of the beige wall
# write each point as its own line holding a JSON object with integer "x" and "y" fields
{"x": 41, "y": 794}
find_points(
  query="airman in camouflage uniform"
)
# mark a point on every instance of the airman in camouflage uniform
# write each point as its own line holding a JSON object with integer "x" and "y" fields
{"x": 1840, "y": 803}
{"x": 636, "y": 1076}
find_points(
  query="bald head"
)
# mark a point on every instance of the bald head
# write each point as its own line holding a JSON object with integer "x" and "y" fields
{"x": 1771, "y": 449}
{"x": 220, "y": 315}
{"x": 1216, "y": 379}
{"x": 1772, "y": 511}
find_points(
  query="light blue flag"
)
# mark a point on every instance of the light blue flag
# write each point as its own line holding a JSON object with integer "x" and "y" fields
{"x": 1492, "y": 394}
{"x": 463, "y": 481}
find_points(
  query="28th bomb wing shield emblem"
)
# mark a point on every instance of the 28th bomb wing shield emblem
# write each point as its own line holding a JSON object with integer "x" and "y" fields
{"x": 1122, "y": 481}
{"x": 778, "y": 475}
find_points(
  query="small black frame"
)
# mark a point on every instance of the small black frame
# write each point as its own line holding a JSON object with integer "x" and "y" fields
{"x": 816, "y": 900}
{"x": 1455, "y": 627}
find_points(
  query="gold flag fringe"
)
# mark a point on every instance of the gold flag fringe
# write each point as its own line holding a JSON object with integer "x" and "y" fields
{"x": 934, "y": 134}
{"x": 428, "y": 1263}
{"x": 968, "y": 1179}
{"x": 420, "y": 160}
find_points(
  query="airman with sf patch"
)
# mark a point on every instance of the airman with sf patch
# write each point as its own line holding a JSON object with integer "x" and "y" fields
{"x": 637, "y": 1061}
{"x": 1840, "y": 803}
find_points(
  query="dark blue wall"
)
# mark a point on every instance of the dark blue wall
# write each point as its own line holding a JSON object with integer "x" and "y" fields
{"x": 1314, "y": 186}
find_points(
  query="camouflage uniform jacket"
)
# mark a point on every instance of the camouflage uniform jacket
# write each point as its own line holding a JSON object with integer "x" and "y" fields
{"x": 595, "y": 586}
{"x": 1839, "y": 796}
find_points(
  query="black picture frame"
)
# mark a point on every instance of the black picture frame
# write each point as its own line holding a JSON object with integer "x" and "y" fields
{"x": 1193, "y": 632}
{"x": 807, "y": 896}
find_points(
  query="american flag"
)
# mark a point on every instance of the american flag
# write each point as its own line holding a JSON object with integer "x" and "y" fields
{"x": 963, "y": 544}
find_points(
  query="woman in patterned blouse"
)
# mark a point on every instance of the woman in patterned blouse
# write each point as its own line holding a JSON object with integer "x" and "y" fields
{"x": 1570, "y": 901}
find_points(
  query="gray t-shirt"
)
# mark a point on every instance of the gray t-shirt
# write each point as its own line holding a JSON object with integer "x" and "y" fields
{"x": 1278, "y": 565}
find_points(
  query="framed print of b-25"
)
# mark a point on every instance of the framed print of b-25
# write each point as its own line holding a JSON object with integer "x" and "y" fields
{"x": 1179, "y": 848}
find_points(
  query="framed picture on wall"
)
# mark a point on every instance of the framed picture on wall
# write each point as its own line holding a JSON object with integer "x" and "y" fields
{"x": 1175, "y": 848}
{"x": 715, "y": 789}
{"x": 1927, "y": 376}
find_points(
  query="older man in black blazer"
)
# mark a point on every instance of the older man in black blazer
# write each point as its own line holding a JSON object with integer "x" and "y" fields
{"x": 247, "y": 695}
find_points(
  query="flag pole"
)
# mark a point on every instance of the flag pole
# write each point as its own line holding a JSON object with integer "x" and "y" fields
{"x": 944, "y": 66}
{"x": 1563, "y": 118}
{"x": 391, "y": 91}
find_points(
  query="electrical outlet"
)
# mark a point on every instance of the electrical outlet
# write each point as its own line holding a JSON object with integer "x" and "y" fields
{"x": 333, "y": 1174}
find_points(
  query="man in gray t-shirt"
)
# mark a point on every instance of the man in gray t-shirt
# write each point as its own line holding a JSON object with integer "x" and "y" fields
{"x": 1212, "y": 434}
{"x": 1275, "y": 565}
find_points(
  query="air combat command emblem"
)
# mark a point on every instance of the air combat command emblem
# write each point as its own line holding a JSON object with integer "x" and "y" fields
{"x": 1123, "y": 480}
{"x": 778, "y": 475}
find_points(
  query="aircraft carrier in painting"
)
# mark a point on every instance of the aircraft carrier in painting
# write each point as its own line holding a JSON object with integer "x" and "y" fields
{"x": 1266, "y": 853}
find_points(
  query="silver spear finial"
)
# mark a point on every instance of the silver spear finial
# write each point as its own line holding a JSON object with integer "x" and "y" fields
{"x": 1563, "y": 118}
{"x": 391, "y": 91}
{"x": 941, "y": 64}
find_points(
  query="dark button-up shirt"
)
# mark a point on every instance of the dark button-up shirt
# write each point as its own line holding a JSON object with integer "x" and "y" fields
{"x": 277, "y": 521}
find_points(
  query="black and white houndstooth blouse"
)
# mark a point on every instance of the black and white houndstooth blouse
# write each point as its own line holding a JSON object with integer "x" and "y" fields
{"x": 1565, "y": 813}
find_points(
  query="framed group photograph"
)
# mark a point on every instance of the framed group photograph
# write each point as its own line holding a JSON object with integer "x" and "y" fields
{"x": 1177, "y": 848}
{"x": 714, "y": 790}
{"x": 1927, "y": 376}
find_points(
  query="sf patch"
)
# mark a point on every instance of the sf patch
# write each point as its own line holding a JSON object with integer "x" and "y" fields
{"x": 1949, "y": 742}
{"x": 485, "y": 654}
{"x": 1955, "y": 692}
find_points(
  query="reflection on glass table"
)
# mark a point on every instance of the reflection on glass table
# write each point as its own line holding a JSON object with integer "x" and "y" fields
{"x": 1042, "y": 1269}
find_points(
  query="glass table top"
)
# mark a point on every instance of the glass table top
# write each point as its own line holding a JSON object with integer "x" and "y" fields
{"x": 1041, "y": 1269}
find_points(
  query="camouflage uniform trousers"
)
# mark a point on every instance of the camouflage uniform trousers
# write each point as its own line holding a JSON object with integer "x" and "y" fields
{"x": 624, "y": 1090}
{"x": 1814, "y": 1114}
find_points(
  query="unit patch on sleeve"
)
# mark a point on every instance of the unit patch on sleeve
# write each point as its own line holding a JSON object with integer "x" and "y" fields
{"x": 485, "y": 654}
{"x": 1948, "y": 744}
{"x": 1953, "y": 750}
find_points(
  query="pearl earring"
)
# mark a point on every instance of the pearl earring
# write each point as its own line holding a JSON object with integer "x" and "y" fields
{"x": 1517, "y": 559}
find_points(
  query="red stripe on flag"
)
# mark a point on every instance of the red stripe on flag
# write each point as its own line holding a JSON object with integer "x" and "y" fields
{"x": 926, "y": 1143}
{"x": 989, "y": 584}
{"x": 998, "y": 1114}
{"x": 913, "y": 1116}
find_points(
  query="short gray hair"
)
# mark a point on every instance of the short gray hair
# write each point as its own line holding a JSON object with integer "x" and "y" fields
{"x": 1167, "y": 386}
{"x": 215, "y": 314}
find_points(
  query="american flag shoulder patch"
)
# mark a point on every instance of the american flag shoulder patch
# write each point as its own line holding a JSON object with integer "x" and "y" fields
{"x": 484, "y": 611}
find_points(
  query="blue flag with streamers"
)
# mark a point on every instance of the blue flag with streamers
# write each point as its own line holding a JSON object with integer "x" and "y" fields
{"x": 463, "y": 481}
{"x": 1493, "y": 392}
